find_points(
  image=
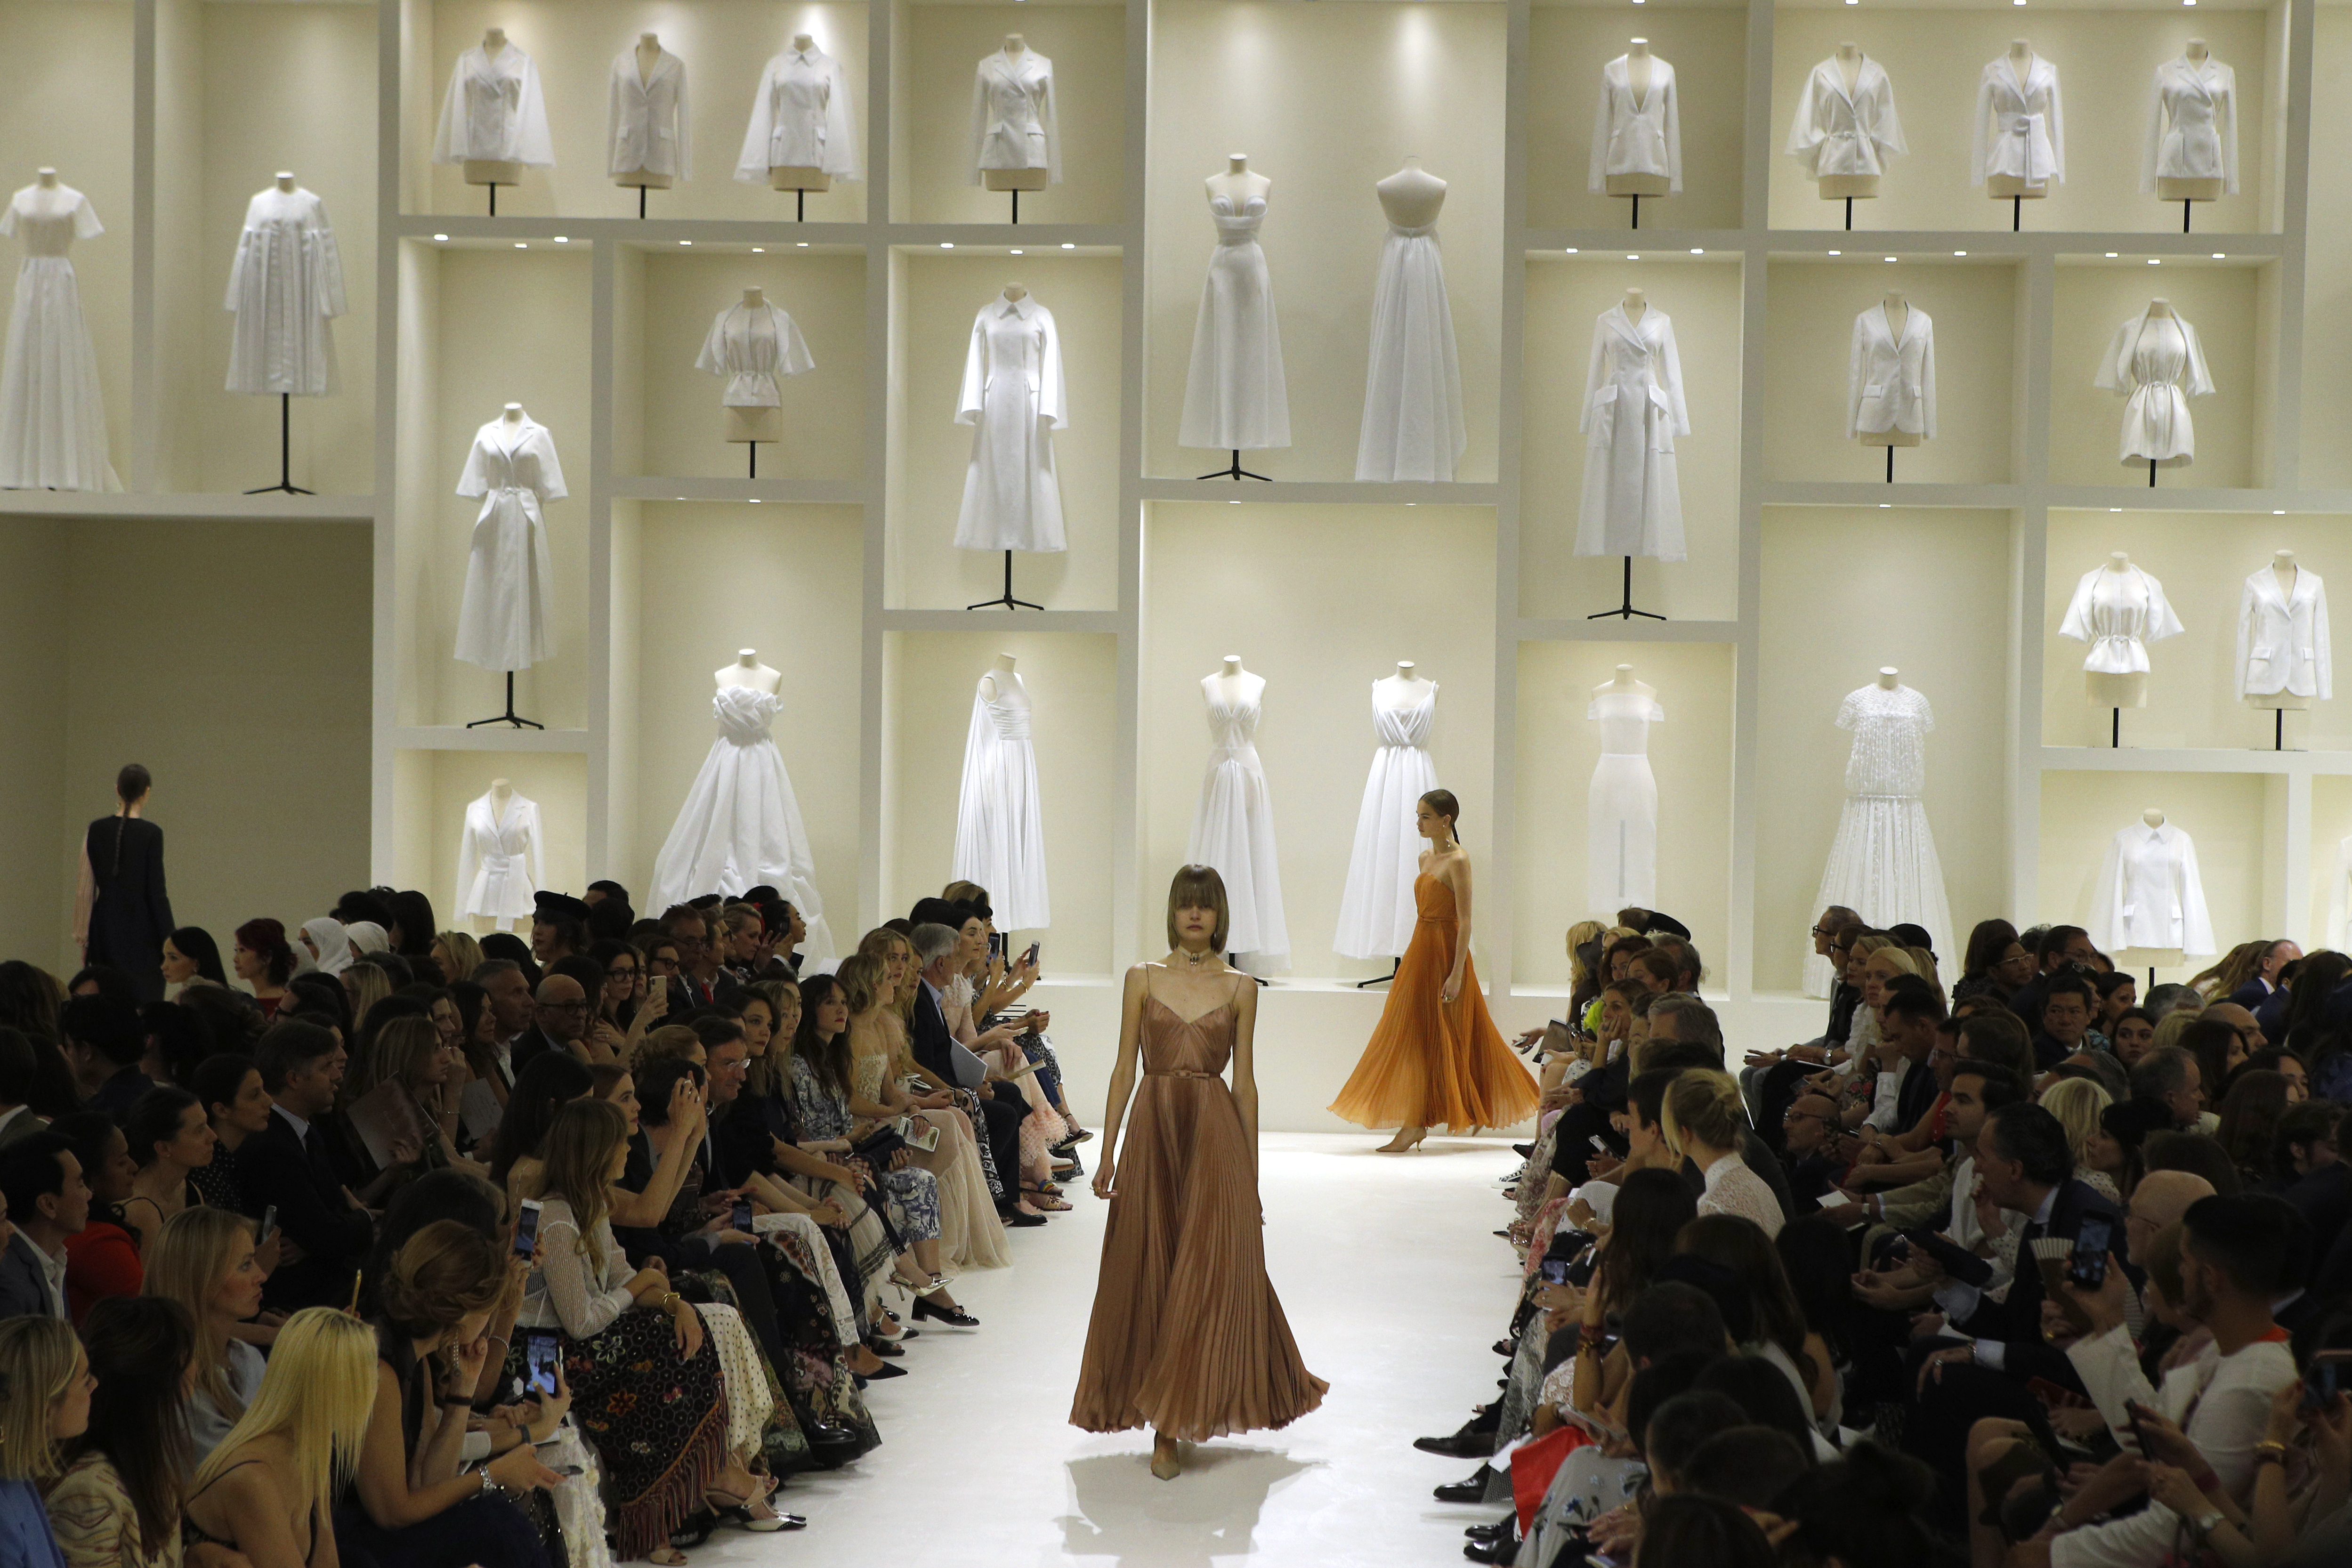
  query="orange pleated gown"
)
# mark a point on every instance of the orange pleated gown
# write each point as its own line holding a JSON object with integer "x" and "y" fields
{"x": 1429, "y": 1063}
{"x": 1187, "y": 1336}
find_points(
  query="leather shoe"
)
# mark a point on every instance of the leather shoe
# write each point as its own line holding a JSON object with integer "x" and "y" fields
{"x": 1464, "y": 1444}
{"x": 1524, "y": 1151}
{"x": 1504, "y": 1548}
{"x": 1473, "y": 1490}
{"x": 955, "y": 1317}
{"x": 1014, "y": 1219}
{"x": 884, "y": 1347}
{"x": 1502, "y": 1526}
{"x": 1505, "y": 1348}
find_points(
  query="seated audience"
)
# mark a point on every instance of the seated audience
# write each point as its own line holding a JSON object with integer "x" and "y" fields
{"x": 204, "y": 1260}
{"x": 117, "y": 1502}
{"x": 287, "y": 1166}
{"x": 48, "y": 1385}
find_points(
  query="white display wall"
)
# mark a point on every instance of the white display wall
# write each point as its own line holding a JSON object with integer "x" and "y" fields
{"x": 1807, "y": 571}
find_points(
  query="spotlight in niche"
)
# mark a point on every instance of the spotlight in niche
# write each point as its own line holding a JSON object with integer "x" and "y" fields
{"x": 2221, "y": 256}
{"x": 801, "y": 243}
{"x": 755, "y": 500}
{"x": 2278, "y": 511}
{"x": 1890, "y": 258}
{"x": 1017, "y": 251}
{"x": 1069, "y": 245}
{"x": 2114, "y": 509}
{"x": 1837, "y": 253}
{"x": 2155, "y": 261}
{"x": 520, "y": 245}
{"x": 763, "y": 250}
{"x": 1632, "y": 258}
{"x": 562, "y": 239}
{"x": 2111, "y": 256}
{"x": 441, "y": 239}
{"x": 1885, "y": 506}
{"x": 1960, "y": 253}
{"x": 1571, "y": 251}
{"x": 947, "y": 244}
{"x": 1697, "y": 251}
{"x": 686, "y": 242}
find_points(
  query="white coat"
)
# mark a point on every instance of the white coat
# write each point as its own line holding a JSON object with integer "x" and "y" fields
{"x": 502, "y": 622}
{"x": 2149, "y": 895}
{"x": 1013, "y": 123}
{"x": 494, "y": 113}
{"x": 751, "y": 348}
{"x": 2193, "y": 124}
{"x": 651, "y": 133}
{"x": 1632, "y": 411}
{"x": 1013, "y": 392}
{"x": 2282, "y": 640}
{"x": 2020, "y": 129}
{"x": 498, "y": 865}
{"x": 1637, "y": 134}
{"x": 2147, "y": 360}
{"x": 284, "y": 285}
{"x": 801, "y": 119}
{"x": 2118, "y": 613}
{"x": 1841, "y": 134}
{"x": 1891, "y": 383}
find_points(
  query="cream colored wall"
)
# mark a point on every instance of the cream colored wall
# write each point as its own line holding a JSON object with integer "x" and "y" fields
{"x": 418, "y": 652}
{"x": 1326, "y": 100}
{"x": 712, "y": 578}
{"x": 1846, "y": 592}
{"x": 448, "y": 782}
{"x": 2203, "y": 561}
{"x": 725, "y": 45}
{"x": 2331, "y": 824}
{"x": 35, "y": 867}
{"x": 1070, "y": 680}
{"x": 1086, "y": 43}
{"x": 2086, "y": 421}
{"x": 1567, "y": 46}
{"x": 824, "y": 410}
{"x": 2106, "y": 64}
{"x": 1565, "y": 295}
{"x": 943, "y": 296}
{"x": 2327, "y": 278}
{"x": 2230, "y": 817}
{"x": 1810, "y": 347}
{"x": 1322, "y": 601}
{"x": 1559, "y": 747}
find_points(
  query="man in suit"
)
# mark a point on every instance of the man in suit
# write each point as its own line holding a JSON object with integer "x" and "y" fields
{"x": 930, "y": 1043}
{"x": 510, "y": 1007}
{"x": 1909, "y": 1019}
{"x": 48, "y": 1201}
{"x": 2063, "y": 950}
{"x": 700, "y": 980}
{"x": 560, "y": 1022}
{"x": 287, "y": 1165}
{"x": 20, "y": 1070}
{"x": 105, "y": 1040}
{"x": 2263, "y": 984}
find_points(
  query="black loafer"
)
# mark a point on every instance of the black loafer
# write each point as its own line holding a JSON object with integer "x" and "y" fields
{"x": 884, "y": 1347}
{"x": 1524, "y": 1151}
{"x": 1505, "y": 1348}
{"x": 1458, "y": 1445}
{"x": 1471, "y": 1490}
{"x": 1502, "y": 1526}
{"x": 1017, "y": 1220}
{"x": 954, "y": 1316}
{"x": 1504, "y": 1548}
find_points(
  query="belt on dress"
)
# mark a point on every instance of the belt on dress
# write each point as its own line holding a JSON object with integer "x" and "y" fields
{"x": 1179, "y": 1073}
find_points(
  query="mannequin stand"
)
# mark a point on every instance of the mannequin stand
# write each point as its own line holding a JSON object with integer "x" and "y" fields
{"x": 1016, "y": 206}
{"x": 2184, "y": 215}
{"x": 2151, "y": 473}
{"x": 1233, "y": 470}
{"x": 754, "y": 448}
{"x": 2278, "y": 729}
{"x": 493, "y": 189}
{"x": 641, "y": 204}
{"x": 285, "y": 452}
{"x": 2115, "y": 728}
{"x": 509, "y": 716}
{"x": 1637, "y": 210}
{"x": 1391, "y": 975}
{"x": 800, "y": 206}
{"x": 1890, "y": 465}
{"x": 1625, "y": 610}
{"x": 1849, "y": 214}
{"x": 2016, "y": 214}
{"x": 1006, "y": 598}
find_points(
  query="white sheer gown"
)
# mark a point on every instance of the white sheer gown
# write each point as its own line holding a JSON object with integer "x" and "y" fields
{"x": 1412, "y": 425}
{"x": 52, "y": 411}
{"x": 1233, "y": 828}
{"x": 1882, "y": 863}
{"x": 1234, "y": 397}
{"x": 1000, "y": 839}
{"x": 1376, "y": 909}
{"x": 740, "y": 825}
{"x": 1621, "y": 808}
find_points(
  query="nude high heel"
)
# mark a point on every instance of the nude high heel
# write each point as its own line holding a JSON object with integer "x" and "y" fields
{"x": 1166, "y": 1464}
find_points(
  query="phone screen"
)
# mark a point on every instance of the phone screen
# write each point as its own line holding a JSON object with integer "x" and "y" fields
{"x": 527, "y": 1228}
{"x": 2087, "y": 1264}
{"x": 1031, "y": 957}
{"x": 2330, "y": 1372}
{"x": 269, "y": 1227}
{"x": 742, "y": 1220}
{"x": 1555, "y": 1271}
{"x": 539, "y": 1352}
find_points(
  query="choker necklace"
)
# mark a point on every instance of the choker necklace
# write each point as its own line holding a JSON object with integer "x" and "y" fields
{"x": 1194, "y": 959}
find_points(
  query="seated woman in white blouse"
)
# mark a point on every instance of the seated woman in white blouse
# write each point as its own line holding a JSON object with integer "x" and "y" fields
{"x": 1702, "y": 1120}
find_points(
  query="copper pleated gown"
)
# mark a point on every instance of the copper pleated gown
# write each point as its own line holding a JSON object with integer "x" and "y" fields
{"x": 1188, "y": 1337}
{"x": 1430, "y": 1063}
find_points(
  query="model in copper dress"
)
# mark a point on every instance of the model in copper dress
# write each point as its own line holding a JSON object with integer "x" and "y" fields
{"x": 1187, "y": 1336}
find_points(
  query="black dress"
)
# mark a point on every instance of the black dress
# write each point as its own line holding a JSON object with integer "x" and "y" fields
{"x": 131, "y": 914}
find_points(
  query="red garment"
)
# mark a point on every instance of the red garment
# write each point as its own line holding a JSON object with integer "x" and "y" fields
{"x": 102, "y": 1261}
{"x": 269, "y": 1005}
{"x": 1534, "y": 1464}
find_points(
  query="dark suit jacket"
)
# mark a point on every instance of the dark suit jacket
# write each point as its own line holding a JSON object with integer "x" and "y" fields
{"x": 2016, "y": 1322}
{"x": 24, "y": 1284}
{"x": 131, "y": 914}
{"x": 275, "y": 1167}
{"x": 2323, "y": 1198}
{"x": 118, "y": 1094}
{"x": 1916, "y": 1098}
{"x": 530, "y": 1045}
{"x": 927, "y": 1039}
{"x": 2252, "y": 995}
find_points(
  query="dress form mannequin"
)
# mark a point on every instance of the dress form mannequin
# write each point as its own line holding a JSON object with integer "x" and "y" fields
{"x": 2007, "y": 187}
{"x": 493, "y": 171}
{"x": 1623, "y": 681}
{"x": 1015, "y": 292}
{"x": 2149, "y": 958}
{"x": 648, "y": 53}
{"x": 1238, "y": 184}
{"x": 1232, "y": 684}
{"x": 2171, "y": 189}
{"x": 2286, "y": 573}
{"x": 1640, "y": 71}
{"x": 992, "y": 689}
{"x": 746, "y": 670}
{"x": 285, "y": 180}
{"x": 800, "y": 179}
{"x": 1898, "y": 316}
{"x": 1842, "y": 187}
{"x": 1889, "y": 678}
{"x": 1033, "y": 179}
{"x": 747, "y": 424}
{"x": 1403, "y": 690}
{"x": 1635, "y": 302}
{"x": 501, "y": 792}
{"x": 2117, "y": 690}
{"x": 1411, "y": 197}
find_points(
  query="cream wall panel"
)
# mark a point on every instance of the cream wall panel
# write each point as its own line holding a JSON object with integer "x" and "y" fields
{"x": 726, "y": 44}
{"x": 2328, "y": 282}
{"x": 418, "y": 652}
{"x": 1322, "y": 601}
{"x": 2331, "y": 824}
{"x": 2086, "y": 421}
{"x": 944, "y": 294}
{"x": 2106, "y": 64}
{"x": 1846, "y": 590}
{"x": 2227, "y": 815}
{"x": 625, "y": 812}
{"x": 1559, "y": 747}
{"x": 1567, "y": 46}
{"x": 1565, "y": 296}
{"x": 36, "y": 868}
{"x": 1326, "y": 100}
{"x": 1069, "y": 679}
{"x": 1086, "y": 43}
{"x": 716, "y": 578}
{"x": 1810, "y": 345}
{"x": 557, "y": 781}
{"x": 824, "y": 410}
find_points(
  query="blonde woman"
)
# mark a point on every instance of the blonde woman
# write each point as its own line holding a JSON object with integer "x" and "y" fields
{"x": 269, "y": 1490}
{"x": 203, "y": 1260}
{"x": 2077, "y": 1103}
{"x": 1703, "y": 1119}
{"x": 457, "y": 955}
{"x": 50, "y": 1385}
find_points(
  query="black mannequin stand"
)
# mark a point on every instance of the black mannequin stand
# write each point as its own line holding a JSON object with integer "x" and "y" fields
{"x": 1626, "y": 611}
{"x": 2115, "y": 728}
{"x": 1890, "y": 465}
{"x": 2278, "y": 729}
{"x": 2151, "y": 473}
{"x": 754, "y": 448}
{"x": 800, "y": 206}
{"x": 2016, "y": 214}
{"x": 509, "y": 716}
{"x": 285, "y": 452}
{"x": 1391, "y": 975}
{"x": 641, "y": 204}
{"x": 2184, "y": 215}
{"x": 1849, "y": 214}
{"x": 1233, "y": 470}
{"x": 1637, "y": 210}
{"x": 1006, "y": 598}
{"x": 1016, "y": 206}
{"x": 494, "y": 198}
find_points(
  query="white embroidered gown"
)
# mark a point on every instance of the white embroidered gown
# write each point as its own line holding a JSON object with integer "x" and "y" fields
{"x": 1000, "y": 839}
{"x": 1376, "y": 909}
{"x": 1882, "y": 863}
{"x": 1234, "y": 397}
{"x": 1622, "y": 805}
{"x": 52, "y": 411}
{"x": 1233, "y": 827}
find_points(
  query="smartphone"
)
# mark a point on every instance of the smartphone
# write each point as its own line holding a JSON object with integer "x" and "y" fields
{"x": 2087, "y": 1266}
{"x": 1600, "y": 1144}
{"x": 541, "y": 1349}
{"x": 567, "y": 1471}
{"x": 269, "y": 1227}
{"x": 1031, "y": 956}
{"x": 996, "y": 944}
{"x": 526, "y": 1227}
{"x": 742, "y": 1220}
{"x": 1555, "y": 1271}
{"x": 2329, "y": 1374}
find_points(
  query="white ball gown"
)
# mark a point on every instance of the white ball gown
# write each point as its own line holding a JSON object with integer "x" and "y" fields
{"x": 1375, "y": 908}
{"x": 1000, "y": 839}
{"x": 1622, "y": 805}
{"x": 1233, "y": 828}
{"x": 1883, "y": 864}
{"x": 740, "y": 825}
{"x": 1235, "y": 398}
{"x": 52, "y": 411}
{"x": 1412, "y": 425}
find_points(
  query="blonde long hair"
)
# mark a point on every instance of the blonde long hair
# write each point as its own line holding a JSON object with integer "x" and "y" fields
{"x": 878, "y": 943}
{"x": 184, "y": 1264}
{"x": 317, "y": 1393}
{"x": 861, "y": 976}
{"x": 38, "y": 1358}
{"x": 2076, "y": 1103}
{"x": 576, "y": 1156}
{"x": 1704, "y": 1106}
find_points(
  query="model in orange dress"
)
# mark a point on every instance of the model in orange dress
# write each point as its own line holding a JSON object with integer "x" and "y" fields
{"x": 1436, "y": 1058}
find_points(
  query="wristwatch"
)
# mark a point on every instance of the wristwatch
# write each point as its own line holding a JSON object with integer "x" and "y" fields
{"x": 2205, "y": 1523}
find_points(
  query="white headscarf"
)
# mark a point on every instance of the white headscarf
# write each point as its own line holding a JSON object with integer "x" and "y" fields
{"x": 369, "y": 937}
{"x": 332, "y": 944}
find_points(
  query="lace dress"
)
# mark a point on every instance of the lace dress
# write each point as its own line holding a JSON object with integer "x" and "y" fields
{"x": 1883, "y": 862}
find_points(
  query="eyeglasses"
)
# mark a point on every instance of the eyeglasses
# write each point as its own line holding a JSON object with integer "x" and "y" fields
{"x": 662, "y": 963}
{"x": 621, "y": 976}
{"x": 1793, "y": 1114}
{"x": 685, "y": 942}
{"x": 1823, "y": 930}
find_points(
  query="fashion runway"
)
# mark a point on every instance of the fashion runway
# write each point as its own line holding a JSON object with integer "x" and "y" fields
{"x": 1395, "y": 1288}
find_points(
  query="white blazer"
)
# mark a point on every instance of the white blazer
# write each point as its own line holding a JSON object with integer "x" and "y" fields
{"x": 2282, "y": 641}
{"x": 647, "y": 123}
{"x": 1838, "y": 133}
{"x": 2149, "y": 893}
{"x": 1891, "y": 383}
{"x": 2201, "y": 143}
{"x": 2020, "y": 129}
{"x": 1637, "y": 134}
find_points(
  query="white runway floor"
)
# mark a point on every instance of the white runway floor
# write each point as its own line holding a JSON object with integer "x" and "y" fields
{"x": 1395, "y": 1288}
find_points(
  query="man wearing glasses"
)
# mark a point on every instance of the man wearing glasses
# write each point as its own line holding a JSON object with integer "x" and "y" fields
{"x": 1807, "y": 1136}
{"x": 699, "y": 982}
{"x": 559, "y": 1022}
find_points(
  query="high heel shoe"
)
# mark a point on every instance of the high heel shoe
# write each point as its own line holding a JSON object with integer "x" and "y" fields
{"x": 954, "y": 1316}
{"x": 1405, "y": 1146}
{"x": 1166, "y": 1464}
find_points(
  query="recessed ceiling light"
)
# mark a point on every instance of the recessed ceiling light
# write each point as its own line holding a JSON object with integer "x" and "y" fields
{"x": 686, "y": 242}
{"x": 1016, "y": 250}
{"x": 763, "y": 250}
{"x": 442, "y": 238}
{"x": 2280, "y": 511}
{"x": 2155, "y": 261}
{"x": 755, "y": 500}
{"x": 1960, "y": 253}
{"x": 520, "y": 245}
{"x": 1890, "y": 258}
{"x": 1884, "y": 505}
{"x": 2111, "y": 256}
{"x": 1632, "y": 258}
{"x": 1837, "y": 253}
{"x": 801, "y": 243}
{"x": 1069, "y": 245}
{"x": 1696, "y": 251}
{"x": 562, "y": 239}
{"x": 947, "y": 244}
{"x": 1571, "y": 251}
{"x": 2221, "y": 256}
{"x": 2114, "y": 509}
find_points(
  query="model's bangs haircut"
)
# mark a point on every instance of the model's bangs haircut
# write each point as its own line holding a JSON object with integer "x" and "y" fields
{"x": 1198, "y": 887}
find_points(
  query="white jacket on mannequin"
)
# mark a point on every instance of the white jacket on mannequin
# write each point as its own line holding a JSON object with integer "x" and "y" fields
{"x": 2020, "y": 129}
{"x": 2283, "y": 639}
{"x": 498, "y": 865}
{"x": 2150, "y": 894}
{"x": 646, "y": 119}
{"x": 1838, "y": 134}
{"x": 2200, "y": 101}
{"x": 1637, "y": 134}
{"x": 2118, "y": 613}
{"x": 494, "y": 113}
{"x": 801, "y": 119}
{"x": 1891, "y": 382}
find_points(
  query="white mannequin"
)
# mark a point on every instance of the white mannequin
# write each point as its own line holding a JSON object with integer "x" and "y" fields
{"x": 1623, "y": 681}
{"x": 1898, "y": 316}
{"x": 1015, "y": 179}
{"x": 1889, "y": 678}
{"x": 745, "y": 424}
{"x": 2118, "y": 690}
{"x": 746, "y": 670}
{"x": 648, "y": 52}
{"x": 2001, "y": 187}
{"x": 501, "y": 792}
{"x": 493, "y": 171}
{"x": 1639, "y": 71}
{"x": 1401, "y": 690}
{"x": 2168, "y": 189}
{"x": 1838, "y": 187}
{"x": 1238, "y": 184}
{"x": 1008, "y": 690}
{"x": 512, "y": 414}
{"x": 45, "y": 203}
{"x": 1411, "y": 197}
{"x": 2159, "y": 307}
{"x": 2286, "y": 573}
{"x": 1015, "y": 292}
{"x": 781, "y": 178}
{"x": 285, "y": 180}
{"x": 1635, "y": 303}
{"x": 1231, "y": 685}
